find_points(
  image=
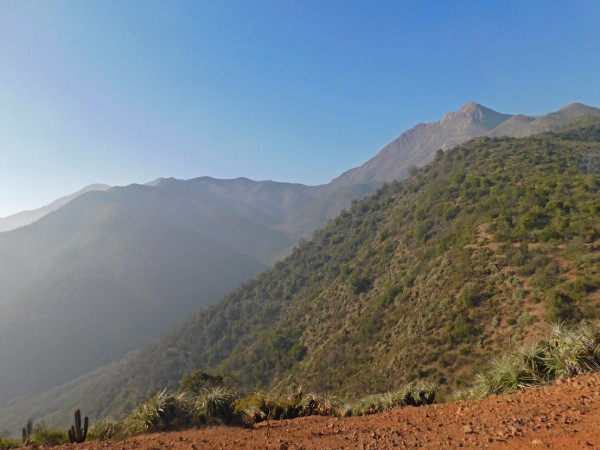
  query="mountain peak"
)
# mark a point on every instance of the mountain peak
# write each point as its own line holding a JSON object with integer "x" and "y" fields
{"x": 471, "y": 107}
{"x": 578, "y": 108}
{"x": 478, "y": 112}
{"x": 474, "y": 113}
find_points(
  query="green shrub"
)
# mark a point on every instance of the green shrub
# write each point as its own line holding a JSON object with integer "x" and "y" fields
{"x": 48, "y": 436}
{"x": 470, "y": 294}
{"x": 358, "y": 283}
{"x": 559, "y": 307}
{"x": 8, "y": 442}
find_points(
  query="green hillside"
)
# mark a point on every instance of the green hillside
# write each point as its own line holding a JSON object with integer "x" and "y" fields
{"x": 426, "y": 279}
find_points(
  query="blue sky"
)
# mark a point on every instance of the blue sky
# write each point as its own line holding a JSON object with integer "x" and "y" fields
{"x": 119, "y": 92}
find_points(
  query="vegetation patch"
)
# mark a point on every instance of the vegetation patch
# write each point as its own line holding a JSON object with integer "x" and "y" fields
{"x": 570, "y": 350}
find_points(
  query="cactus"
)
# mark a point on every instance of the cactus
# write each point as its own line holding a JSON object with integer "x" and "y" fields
{"x": 27, "y": 431}
{"x": 77, "y": 433}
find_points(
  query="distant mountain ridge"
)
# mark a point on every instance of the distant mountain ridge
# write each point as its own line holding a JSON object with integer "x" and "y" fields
{"x": 23, "y": 218}
{"x": 414, "y": 147}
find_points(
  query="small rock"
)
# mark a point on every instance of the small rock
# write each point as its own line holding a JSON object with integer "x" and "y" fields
{"x": 468, "y": 429}
{"x": 538, "y": 442}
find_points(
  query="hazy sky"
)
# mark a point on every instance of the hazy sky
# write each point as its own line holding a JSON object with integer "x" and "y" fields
{"x": 292, "y": 90}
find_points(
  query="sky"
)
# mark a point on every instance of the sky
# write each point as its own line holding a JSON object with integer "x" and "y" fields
{"x": 126, "y": 91}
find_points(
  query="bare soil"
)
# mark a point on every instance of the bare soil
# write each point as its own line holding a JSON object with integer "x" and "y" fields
{"x": 562, "y": 415}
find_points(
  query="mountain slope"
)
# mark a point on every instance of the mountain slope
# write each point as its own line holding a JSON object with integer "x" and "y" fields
{"x": 426, "y": 279}
{"x": 26, "y": 217}
{"x": 87, "y": 295}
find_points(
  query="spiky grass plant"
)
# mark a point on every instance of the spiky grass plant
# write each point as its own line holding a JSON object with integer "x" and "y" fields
{"x": 214, "y": 406}
{"x": 506, "y": 375}
{"x": 293, "y": 402}
{"x": 160, "y": 411}
{"x": 412, "y": 394}
{"x": 321, "y": 405}
{"x": 573, "y": 350}
{"x": 570, "y": 350}
{"x": 105, "y": 429}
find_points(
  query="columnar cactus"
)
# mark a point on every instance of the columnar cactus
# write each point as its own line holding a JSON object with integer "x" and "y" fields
{"x": 27, "y": 432}
{"x": 77, "y": 433}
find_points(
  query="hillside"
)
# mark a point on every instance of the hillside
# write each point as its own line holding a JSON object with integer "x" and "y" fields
{"x": 428, "y": 279}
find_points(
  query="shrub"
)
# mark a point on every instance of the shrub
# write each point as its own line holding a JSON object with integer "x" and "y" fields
{"x": 48, "y": 436}
{"x": 199, "y": 380}
{"x": 559, "y": 307}
{"x": 8, "y": 442}
{"x": 359, "y": 284}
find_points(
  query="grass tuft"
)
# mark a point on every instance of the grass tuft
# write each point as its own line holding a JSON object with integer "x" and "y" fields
{"x": 571, "y": 350}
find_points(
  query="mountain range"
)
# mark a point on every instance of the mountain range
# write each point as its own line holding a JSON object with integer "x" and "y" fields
{"x": 111, "y": 270}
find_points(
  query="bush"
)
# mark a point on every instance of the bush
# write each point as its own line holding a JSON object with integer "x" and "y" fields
{"x": 199, "y": 380}
{"x": 48, "y": 436}
{"x": 359, "y": 284}
{"x": 559, "y": 307}
{"x": 8, "y": 442}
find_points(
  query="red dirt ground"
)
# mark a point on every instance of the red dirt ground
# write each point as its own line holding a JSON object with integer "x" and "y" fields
{"x": 564, "y": 415}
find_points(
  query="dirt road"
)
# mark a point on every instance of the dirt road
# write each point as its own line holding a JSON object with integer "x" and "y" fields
{"x": 565, "y": 415}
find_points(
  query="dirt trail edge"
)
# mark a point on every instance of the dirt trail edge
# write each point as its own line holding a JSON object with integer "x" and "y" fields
{"x": 562, "y": 415}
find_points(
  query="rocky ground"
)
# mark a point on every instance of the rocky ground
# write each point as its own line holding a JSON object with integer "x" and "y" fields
{"x": 564, "y": 415}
